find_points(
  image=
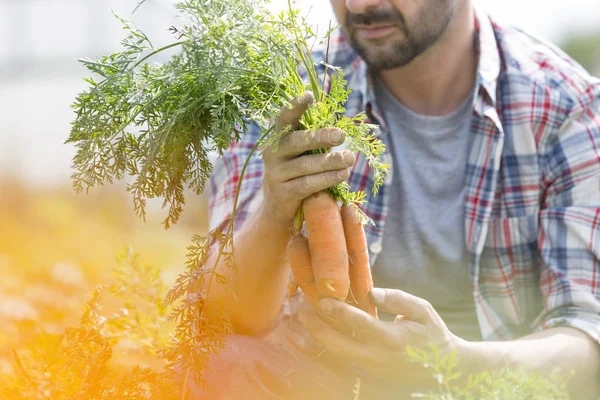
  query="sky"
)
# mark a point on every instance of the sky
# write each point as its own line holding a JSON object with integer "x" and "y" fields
{"x": 40, "y": 41}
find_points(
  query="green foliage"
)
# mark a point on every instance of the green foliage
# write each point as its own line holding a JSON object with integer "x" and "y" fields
{"x": 141, "y": 316}
{"x": 232, "y": 68}
{"x": 86, "y": 361}
{"x": 158, "y": 122}
{"x": 356, "y": 390}
{"x": 76, "y": 364}
{"x": 506, "y": 384}
{"x": 202, "y": 326}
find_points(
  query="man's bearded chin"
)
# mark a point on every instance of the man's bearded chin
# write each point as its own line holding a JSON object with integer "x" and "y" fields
{"x": 397, "y": 50}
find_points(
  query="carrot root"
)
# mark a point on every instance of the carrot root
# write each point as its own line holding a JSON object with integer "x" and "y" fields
{"x": 302, "y": 271}
{"x": 361, "y": 280}
{"x": 327, "y": 245}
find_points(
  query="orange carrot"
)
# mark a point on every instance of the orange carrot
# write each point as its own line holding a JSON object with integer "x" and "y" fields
{"x": 327, "y": 245}
{"x": 299, "y": 259}
{"x": 361, "y": 280}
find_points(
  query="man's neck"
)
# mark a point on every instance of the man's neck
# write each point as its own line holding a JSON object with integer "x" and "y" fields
{"x": 439, "y": 80}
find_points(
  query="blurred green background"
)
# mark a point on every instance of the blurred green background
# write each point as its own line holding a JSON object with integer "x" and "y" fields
{"x": 40, "y": 41}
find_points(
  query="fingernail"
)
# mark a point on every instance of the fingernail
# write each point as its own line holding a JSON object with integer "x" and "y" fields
{"x": 335, "y": 136}
{"x": 307, "y": 98}
{"x": 348, "y": 158}
{"x": 377, "y": 295}
{"x": 325, "y": 306}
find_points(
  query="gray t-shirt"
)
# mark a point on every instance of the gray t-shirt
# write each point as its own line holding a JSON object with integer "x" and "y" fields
{"x": 424, "y": 249}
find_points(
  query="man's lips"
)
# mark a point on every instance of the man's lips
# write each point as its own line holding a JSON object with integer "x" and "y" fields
{"x": 375, "y": 31}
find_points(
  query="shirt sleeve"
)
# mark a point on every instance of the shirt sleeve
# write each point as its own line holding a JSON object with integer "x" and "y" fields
{"x": 227, "y": 171}
{"x": 569, "y": 236}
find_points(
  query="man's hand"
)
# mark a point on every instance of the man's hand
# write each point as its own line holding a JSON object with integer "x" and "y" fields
{"x": 289, "y": 176}
{"x": 379, "y": 346}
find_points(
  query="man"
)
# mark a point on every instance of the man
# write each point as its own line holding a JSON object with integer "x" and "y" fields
{"x": 487, "y": 232}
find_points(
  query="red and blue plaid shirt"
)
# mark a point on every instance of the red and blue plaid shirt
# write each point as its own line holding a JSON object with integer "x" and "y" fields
{"x": 532, "y": 210}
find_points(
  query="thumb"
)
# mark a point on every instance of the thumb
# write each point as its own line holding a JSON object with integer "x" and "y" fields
{"x": 401, "y": 303}
{"x": 291, "y": 114}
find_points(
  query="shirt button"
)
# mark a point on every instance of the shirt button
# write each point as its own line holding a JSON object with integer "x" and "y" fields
{"x": 376, "y": 247}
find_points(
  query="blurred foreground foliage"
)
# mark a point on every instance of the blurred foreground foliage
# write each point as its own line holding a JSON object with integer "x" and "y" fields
{"x": 82, "y": 313}
{"x": 507, "y": 383}
{"x": 91, "y": 360}
{"x": 80, "y": 323}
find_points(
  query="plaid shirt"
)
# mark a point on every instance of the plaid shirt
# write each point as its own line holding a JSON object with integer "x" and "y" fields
{"x": 532, "y": 210}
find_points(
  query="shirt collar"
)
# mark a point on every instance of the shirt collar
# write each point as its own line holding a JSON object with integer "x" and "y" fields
{"x": 488, "y": 69}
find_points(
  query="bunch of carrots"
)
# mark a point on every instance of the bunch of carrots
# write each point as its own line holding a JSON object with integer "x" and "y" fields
{"x": 333, "y": 260}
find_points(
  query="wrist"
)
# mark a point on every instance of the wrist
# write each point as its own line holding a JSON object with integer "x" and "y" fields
{"x": 476, "y": 357}
{"x": 269, "y": 222}
{"x": 272, "y": 215}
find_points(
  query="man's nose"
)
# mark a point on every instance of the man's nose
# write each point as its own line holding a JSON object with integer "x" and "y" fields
{"x": 361, "y": 6}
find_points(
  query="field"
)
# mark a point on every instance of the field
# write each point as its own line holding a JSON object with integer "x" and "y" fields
{"x": 57, "y": 246}
{"x": 82, "y": 289}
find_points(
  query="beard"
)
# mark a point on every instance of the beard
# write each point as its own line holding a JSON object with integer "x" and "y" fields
{"x": 406, "y": 42}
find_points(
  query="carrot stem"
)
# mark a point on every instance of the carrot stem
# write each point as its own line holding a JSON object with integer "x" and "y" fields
{"x": 361, "y": 280}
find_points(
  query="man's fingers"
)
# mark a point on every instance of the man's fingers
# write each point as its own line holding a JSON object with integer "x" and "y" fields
{"x": 356, "y": 322}
{"x": 291, "y": 114}
{"x": 311, "y": 164}
{"x": 338, "y": 343}
{"x": 297, "y": 142}
{"x": 307, "y": 185}
{"x": 401, "y": 303}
